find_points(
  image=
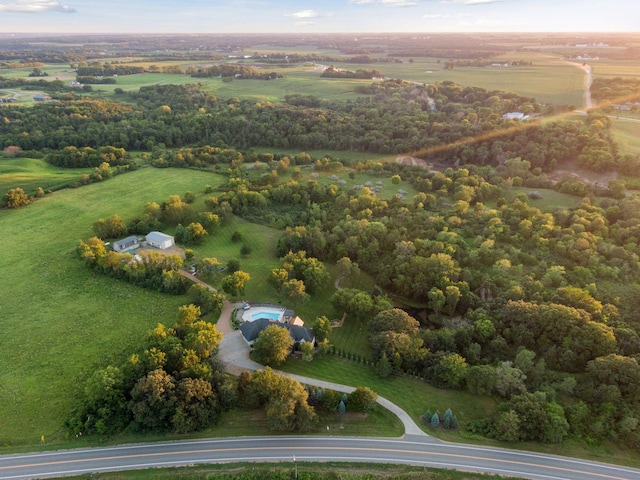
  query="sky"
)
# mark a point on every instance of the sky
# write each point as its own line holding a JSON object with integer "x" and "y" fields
{"x": 317, "y": 16}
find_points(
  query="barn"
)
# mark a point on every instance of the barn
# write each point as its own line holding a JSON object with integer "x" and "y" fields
{"x": 160, "y": 240}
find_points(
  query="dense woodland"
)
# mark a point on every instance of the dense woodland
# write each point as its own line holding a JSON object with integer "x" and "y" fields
{"x": 396, "y": 118}
{"x": 537, "y": 308}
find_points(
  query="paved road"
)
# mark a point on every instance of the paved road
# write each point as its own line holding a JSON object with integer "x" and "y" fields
{"x": 410, "y": 451}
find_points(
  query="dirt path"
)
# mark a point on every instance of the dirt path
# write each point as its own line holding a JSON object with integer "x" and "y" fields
{"x": 588, "y": 103}
{"x": 195, "y": 279}
{"x": 587, "y": 89}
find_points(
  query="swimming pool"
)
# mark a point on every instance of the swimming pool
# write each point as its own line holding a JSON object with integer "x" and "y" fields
{"x": 269, "y": 315}
{"x": 256, "y": 312}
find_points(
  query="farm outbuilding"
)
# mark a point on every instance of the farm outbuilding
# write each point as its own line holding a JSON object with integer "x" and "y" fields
{"x": 160, "y": 240}
{"x": 129, "y": 243}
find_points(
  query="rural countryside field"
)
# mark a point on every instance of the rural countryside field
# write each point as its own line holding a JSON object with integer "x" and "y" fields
{"x": 458, "y": 215}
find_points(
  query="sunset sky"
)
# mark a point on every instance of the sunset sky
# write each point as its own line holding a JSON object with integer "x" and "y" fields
{"x": 295, "y": 16}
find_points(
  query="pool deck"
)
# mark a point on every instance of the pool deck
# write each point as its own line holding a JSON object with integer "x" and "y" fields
{"x": 249, "y": 315}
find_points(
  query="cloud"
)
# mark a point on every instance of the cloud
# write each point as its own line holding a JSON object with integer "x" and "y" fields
{"x": 304, "y": 14}
{"x": 34, "y": 6}
{"x": 445, "y": 15}
{"x": 471, "y": 2}
{"x": 399, "y": 3}
{"x": 386, "y": 3}
{"x": 304, "y": 24}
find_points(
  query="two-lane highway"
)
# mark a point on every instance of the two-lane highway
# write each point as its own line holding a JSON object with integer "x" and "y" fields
{"x": 410, "y": 450}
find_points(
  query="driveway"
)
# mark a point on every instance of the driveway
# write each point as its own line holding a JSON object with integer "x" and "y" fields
{"x": 234, "y": 355}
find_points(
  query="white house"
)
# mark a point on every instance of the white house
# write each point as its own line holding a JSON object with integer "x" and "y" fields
{"x": 160, "y": 240}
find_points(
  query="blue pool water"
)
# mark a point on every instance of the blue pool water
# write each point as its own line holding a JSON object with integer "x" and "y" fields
{"x": 269, "y": 315}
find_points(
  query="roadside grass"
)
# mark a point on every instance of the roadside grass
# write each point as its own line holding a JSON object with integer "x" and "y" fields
{"x": 379, "y": 423}
{"x": 240, "y": 423}
{"x": 31, "y": 173}
{"x": 254, "y": 470}
{"x": 61, "y": 320}
{"x": 412, "y": 395}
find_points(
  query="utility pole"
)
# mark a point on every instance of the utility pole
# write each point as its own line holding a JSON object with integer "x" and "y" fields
{"x": 295, "y": 467}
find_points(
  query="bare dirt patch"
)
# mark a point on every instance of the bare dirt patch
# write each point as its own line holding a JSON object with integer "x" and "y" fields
{"x": 597, "y": 179}
{"x": 430, "y": 165}
{"x": 175, "y": 250}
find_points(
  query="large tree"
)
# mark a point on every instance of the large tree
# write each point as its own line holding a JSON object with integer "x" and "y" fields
{"x": 285, "y": 400}
{"x": 273, "y": 345}
{"x": 235, "y": 283}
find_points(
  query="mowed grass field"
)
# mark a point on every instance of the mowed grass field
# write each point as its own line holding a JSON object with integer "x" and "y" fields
{"x": 59, "y": 319}
{"x": 31, "y": 173}
{"x": 412, "y": 395}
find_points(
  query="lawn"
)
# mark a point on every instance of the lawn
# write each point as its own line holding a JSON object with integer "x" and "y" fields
{"x": 258, "y": 263}
{"x": 412, "y": 395}
{"x": 60, "y": 319}
{"x": 550, "y": 201}
{"x": 31, "y": 173}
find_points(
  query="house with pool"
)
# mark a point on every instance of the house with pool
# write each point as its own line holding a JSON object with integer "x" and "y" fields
{"x": 254, "y": 318}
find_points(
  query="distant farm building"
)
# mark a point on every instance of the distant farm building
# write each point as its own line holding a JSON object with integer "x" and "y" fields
{"x": 160, "y": 240}
{"x": 129, "y": 243}
{"x": 515, "y": 116}
{"x": 41, "y": 98}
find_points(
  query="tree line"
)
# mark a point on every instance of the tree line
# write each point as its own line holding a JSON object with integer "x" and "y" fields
{"x": 433, "y": 121}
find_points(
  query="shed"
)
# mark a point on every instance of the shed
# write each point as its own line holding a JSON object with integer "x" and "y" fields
{"x": 128, "y": 243}
{"x": 160, "y": 240}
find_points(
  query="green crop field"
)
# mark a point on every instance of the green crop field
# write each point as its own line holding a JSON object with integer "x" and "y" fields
{"x": 550, "y": 79}
{"x": 615, "y": 68}
{"x": 31, "y": 173}
{"x": 60, "y": 319}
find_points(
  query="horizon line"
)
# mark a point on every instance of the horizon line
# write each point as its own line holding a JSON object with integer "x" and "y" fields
{"x": 546, "y": 32}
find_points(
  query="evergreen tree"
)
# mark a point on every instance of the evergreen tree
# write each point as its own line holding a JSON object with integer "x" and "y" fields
{"x": 435, "y": 420}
